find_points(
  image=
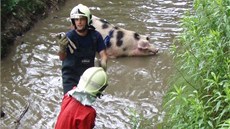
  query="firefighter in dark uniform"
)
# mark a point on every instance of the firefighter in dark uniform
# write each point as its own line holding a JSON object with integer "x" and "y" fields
{"x": 79, "y": 46}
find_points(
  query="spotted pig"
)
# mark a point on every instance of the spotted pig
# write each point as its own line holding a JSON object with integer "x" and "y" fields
{"x": 122, "y": 42}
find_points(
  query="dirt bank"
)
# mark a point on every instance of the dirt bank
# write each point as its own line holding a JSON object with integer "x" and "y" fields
{"x": 20, "y": 20}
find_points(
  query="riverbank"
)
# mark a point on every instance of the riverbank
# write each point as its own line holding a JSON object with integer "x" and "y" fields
{"x": 19, "y": 17}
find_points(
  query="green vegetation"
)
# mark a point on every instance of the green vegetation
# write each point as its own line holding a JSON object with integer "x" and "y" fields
{"x": 10, "y": 7}
{"x": 18, "y": 10}
{"x": 200, "y": 97}
{"x": 19, "y": 16}
{"x": 138, "y": 121}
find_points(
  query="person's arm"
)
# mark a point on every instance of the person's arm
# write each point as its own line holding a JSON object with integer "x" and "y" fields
{"x": 63, "y": 42}
{"x": 101, "y": 49}
{"x": 62, "y": 55}
{"x": 88, "y": 122}
{"x": 103, "y": 59}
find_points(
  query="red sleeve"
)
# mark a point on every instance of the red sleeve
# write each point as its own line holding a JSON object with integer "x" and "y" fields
{"x": 89, "y": 121}
{"x": 65, "y": 103}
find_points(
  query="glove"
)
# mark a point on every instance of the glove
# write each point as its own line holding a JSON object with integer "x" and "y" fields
{"x": 103, "y": 64}
{"x": 64, "y": 42}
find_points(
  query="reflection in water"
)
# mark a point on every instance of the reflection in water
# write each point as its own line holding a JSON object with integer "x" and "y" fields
{"x": 32, "y": 72}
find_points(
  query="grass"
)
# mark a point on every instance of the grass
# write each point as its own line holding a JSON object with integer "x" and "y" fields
{"x": 200, "y": 97}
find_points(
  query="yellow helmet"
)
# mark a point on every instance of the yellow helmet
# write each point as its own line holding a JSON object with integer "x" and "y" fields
{"x": 79, "y": 11}
{"x": 93, "y": 81}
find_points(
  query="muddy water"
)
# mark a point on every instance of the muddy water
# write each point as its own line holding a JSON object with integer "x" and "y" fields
{"x": 31, "y": 73}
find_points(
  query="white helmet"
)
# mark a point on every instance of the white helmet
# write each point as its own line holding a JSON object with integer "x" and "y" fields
{"x": 79, "y": 11}
{"x": 93, "y": 81}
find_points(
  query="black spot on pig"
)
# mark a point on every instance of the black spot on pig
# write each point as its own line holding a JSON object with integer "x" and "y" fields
{"x": 108, "y": 45}
{"x": 116, "y": 28}
{"x": 147, "y": 38}
{"x": 104, "y": 26}
{"x": 105, "y": 23}
{"x": 119, "y": 43}
{"x": 136, "y": 36}
{"x": 120, "y": 35}
{"x": 124, "y": 49}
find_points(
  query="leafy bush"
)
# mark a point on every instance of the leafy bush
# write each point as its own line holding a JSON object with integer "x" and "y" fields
{"x": 8, "y": 5}
{"x": 19, "y": 16}
{"x": 11, "y": 6}
{"x": 200, "y": 98}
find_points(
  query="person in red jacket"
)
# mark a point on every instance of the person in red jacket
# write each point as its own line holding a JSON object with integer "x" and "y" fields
{"x": 76, "y": 109}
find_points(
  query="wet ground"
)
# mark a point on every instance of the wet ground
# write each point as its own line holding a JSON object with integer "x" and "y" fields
{"x": 31, "y": 73}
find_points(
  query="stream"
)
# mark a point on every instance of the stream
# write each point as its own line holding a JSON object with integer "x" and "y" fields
{"x": 32, "y": 71}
